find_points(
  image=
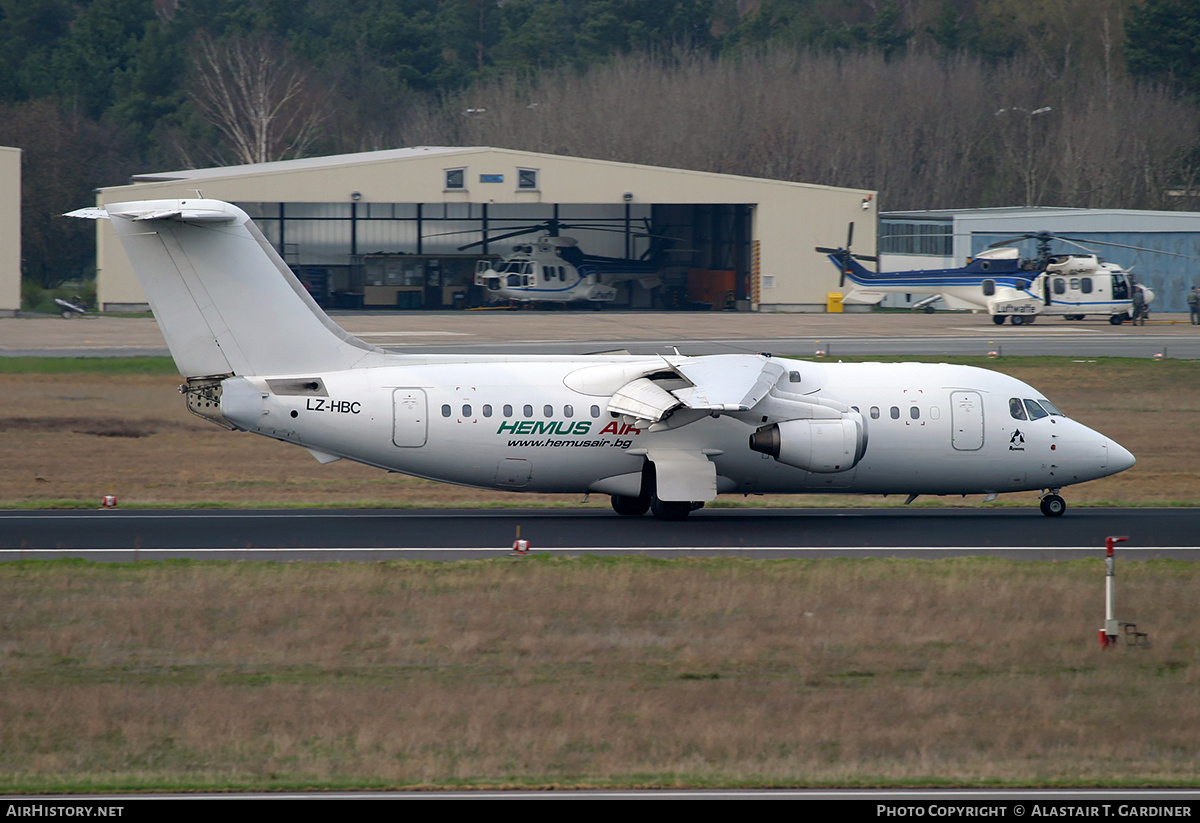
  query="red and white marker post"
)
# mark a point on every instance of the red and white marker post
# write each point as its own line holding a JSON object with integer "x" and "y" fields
{"x": 1112, "y": 627}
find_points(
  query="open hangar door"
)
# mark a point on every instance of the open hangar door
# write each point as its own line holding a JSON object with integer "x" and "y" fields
{"x": 414, "y": 256}
{"x": 709, "y": 255}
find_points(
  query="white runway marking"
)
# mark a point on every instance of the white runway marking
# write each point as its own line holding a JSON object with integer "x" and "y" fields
{"x": 505, "y": 550}
{"x": 411, "y": 334}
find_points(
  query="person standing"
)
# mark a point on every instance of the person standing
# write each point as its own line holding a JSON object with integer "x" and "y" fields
{"x": 1139, "y": 306}
{"x": 1194, "y": 305}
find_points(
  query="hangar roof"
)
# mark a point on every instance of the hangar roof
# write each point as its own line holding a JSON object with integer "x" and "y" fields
{"x": 301, "y": 164}
{"x": 490, "y": 175}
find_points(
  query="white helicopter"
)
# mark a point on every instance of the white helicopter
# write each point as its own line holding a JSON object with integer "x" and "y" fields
{"x": 665, "y": 433}
{"x": 553, "y": 269}
{"x": 1004, "y": 285}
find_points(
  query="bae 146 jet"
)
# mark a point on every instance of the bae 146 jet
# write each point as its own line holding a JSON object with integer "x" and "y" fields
{"x": 665, "y": 433}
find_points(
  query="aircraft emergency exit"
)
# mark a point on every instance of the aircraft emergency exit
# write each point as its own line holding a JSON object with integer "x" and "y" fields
{"x": 664, "y": 432}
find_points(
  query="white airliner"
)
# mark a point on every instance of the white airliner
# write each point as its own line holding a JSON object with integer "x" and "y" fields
{"x": 666, "y": 433}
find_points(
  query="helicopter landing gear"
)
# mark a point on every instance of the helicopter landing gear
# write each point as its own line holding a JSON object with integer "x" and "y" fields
{"x": 999, "y": 319}
{"x": 1052, "y": 505}
{"x": 1118, "y": 319}
{"x": 630, "y": 506}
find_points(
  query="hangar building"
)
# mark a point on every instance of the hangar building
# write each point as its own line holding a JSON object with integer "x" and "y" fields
{"x": 946, "y": 238}
{"x": 386, "y": 229}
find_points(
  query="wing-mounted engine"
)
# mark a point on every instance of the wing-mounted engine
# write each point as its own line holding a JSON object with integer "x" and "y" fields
{"x": 822, "y": 445}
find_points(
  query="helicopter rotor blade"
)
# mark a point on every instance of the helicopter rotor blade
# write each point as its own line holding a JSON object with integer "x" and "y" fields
{"x": 1126, "y": 246}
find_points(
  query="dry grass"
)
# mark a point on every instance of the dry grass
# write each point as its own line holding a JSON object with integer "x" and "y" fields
{"x": 79, "y": 437}
{"x": 595, "y": 672}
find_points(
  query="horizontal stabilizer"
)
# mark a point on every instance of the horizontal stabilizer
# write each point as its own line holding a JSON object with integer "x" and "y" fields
{"x": 223, "y": 297}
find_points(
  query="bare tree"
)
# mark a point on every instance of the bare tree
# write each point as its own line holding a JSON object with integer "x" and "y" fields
{"x": 261, "y": 99}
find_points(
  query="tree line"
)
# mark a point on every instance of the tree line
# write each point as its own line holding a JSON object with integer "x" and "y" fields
{"x": 936, "y": 103}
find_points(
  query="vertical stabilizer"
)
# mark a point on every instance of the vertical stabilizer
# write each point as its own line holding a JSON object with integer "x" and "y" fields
{"x": 224, "y": 299}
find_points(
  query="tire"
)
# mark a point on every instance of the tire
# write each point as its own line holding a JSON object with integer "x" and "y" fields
{"x": 1018, "y": 320}
{"x": 930, "y": 309}
{"x": 630, "y": 506}
{"x": 1118, "y": 319}
{"x": 998, "y": 319}
{"x": 1053, "y": 506}
{"x": 672, "y": 510}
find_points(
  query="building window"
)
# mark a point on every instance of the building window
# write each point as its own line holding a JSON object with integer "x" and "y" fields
{"x": 527, "y": 179}
{"x": 456, "y": 178}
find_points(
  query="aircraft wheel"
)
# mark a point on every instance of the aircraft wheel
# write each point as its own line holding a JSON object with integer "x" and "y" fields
{"x": 1053, "y": 506}
{"x": 670, "y": 509}
{"x": 930, "y": 309}
{"x": 1118, "y": 319}
{"x": 630, "y": 506}
{"x": 998, "y": 319}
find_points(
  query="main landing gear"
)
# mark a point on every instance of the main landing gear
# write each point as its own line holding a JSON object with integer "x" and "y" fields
{"x": 1052, "y": 505}
{"x": 662, "y": 509}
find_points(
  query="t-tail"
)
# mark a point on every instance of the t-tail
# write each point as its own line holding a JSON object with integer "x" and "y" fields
{"x": 226, "y": 302}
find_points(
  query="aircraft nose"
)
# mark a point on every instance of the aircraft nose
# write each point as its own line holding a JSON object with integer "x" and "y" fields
{"x": 1119, "y": 458}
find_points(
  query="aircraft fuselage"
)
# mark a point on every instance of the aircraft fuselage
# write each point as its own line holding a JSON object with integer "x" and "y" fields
{"x": 520, "y": 425}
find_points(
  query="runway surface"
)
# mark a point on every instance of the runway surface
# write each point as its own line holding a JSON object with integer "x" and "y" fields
{"x": 118, "y": 535}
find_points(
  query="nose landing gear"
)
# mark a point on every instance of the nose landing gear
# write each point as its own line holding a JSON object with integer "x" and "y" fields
{"x": 1052, "y": 505}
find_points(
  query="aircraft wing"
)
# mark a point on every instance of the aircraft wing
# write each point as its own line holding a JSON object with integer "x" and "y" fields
{"x": 804, "y": 430}
{"x": 716, "y": 383}
{"x": 734, "y": 382}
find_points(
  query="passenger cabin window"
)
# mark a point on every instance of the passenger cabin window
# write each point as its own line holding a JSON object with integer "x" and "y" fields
{"x": 1060, "y": 286}
{"x": 466, "y": 410}
{"x": 446, "y": 410}
{"x": 568, "y": 411}
{"x": 595, "y": 411}
{"x": 487, "y": 410}
{"x": 507, "y": 410}
{"x": 895, "y": 412}
{"x": 548, "y": 410}
{"x": 914, "y": 412}
{"x": 874, "y": 412}
{"x": 528, "y": 410}
{"x": 989, "y": 288}
{"x": 1085, "y": 285}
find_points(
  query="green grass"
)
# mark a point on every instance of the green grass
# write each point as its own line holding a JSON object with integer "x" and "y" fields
{"x": 592, "y": 672}
{"x": 87, "y": 365}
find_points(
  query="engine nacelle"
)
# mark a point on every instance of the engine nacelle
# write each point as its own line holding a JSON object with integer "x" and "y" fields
{"x": 823, "y": 446}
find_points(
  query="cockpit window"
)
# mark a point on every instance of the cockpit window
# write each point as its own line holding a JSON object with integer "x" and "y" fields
{"x": 1036, "y": 412}
{"x": 1016, "y": 408}
{"x": 1050, "y": 407}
